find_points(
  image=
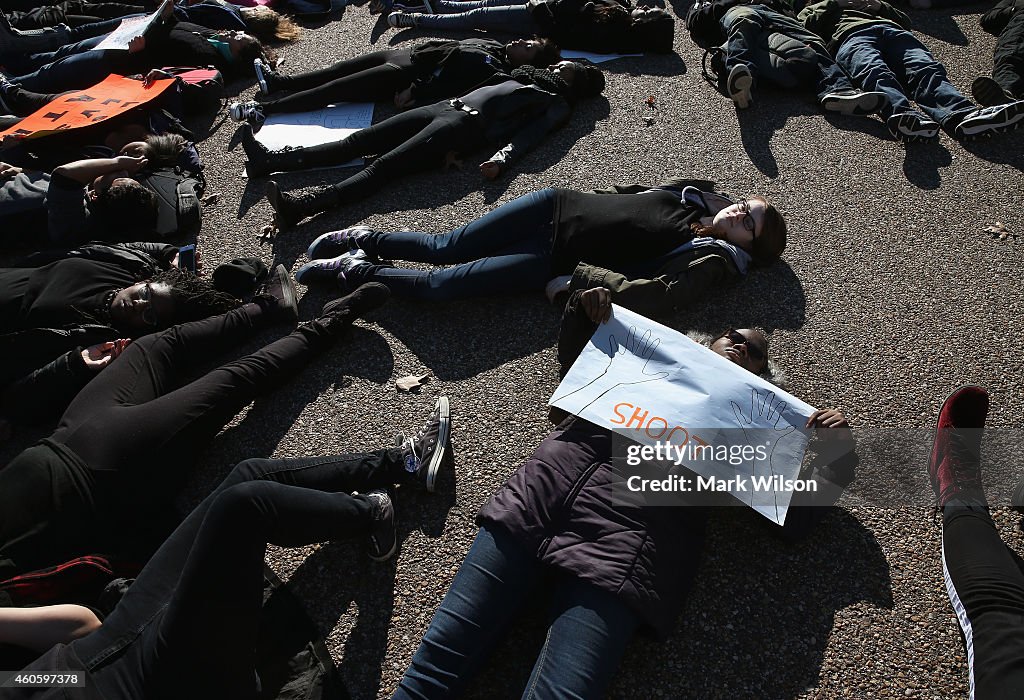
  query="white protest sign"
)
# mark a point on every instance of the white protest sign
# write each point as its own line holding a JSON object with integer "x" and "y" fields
{"x": 303, "y": 129}
{"x": 129, "y": 28}
{"x": 652, "y": 384}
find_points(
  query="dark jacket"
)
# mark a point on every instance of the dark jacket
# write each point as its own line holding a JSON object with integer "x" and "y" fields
{"x": 560, "y": 504}
{"x": 995, "y": 20}
{"x": 600, "y": 25}
{"x": 45, "y": 369}
{"x": 517, "y": 115}
{"x": 834, "y": 23}
{"x": 447, "y": 68}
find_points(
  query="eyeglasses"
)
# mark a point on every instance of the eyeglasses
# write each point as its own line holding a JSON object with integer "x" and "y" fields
{"x": 748, "y": 218}
{"x": 738, "y": 338}
{"x": 149, "y": 316}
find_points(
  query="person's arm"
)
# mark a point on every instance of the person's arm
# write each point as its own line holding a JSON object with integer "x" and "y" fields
{"x": 679, "y": 283}
{"x": 832, "y": 469}
{"x": 995, "y": 20}
{"x": 887, "y": 11}
{"x": 41, "y": 628}
{"x": 534, "y": 131}
{"x": 821, "y": 18}
{"x": 85, "y": 171}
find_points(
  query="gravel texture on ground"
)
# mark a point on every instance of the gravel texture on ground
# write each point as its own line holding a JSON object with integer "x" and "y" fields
{"x": 890, "y": 295}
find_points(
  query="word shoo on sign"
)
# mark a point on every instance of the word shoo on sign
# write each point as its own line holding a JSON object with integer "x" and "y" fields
{"x": 654, "y": 427}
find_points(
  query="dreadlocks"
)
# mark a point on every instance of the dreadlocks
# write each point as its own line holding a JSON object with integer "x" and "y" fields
{"x": 194, "y": 298}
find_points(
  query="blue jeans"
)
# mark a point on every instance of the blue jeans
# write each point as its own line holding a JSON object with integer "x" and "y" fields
{"x": 586, "y": 637}
{"x": 749, "y": 31}
{"x": 888, "y": 59}
{"x": 506, "y": 16}
{"x": 507, "y": 250}
{"x": 71, "y": 67}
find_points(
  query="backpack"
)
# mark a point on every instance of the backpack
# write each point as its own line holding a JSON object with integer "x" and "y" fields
{"x": 178, "y": 192}
{"x": 201, "y": 89}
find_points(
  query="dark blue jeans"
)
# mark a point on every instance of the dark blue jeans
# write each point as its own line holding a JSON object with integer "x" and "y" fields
{"x": 508, "y": 16}
{"x": 888, "y": 59}
{"x": 586, "y": 638}
{"x": 749, "y": 31}
{"x": 196, "y": 603}
{"x": 507, "y": 250}
{"x": 71, "y": 67}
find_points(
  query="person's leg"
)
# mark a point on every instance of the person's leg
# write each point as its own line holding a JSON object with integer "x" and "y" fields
{"x": 744, "y": 28}
{"x": 986, "y": 589}
{"x": 511, "y": 19}
{"x": 21, "y": 102}
{"x": 1008, "y": 66}
{"x": 586, "y": 639}
{"x": 925, "y": 78}
{"x": 136, "y": 438}
{"x": 447, "y": 7}
{"x": 340, "y": 69}
{"x": 377, "y": 83}
{"x": 450, "y": 130}
{"x": 525, "y": 270}
{"x": 497, "y": 577}
{"x": 862, "y": 58}
{"x": 76, "y": 71}
{"x": 526, "y": 218}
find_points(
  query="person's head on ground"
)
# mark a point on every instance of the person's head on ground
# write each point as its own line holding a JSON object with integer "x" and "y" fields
{"x": 169, "y": 298}
{"x": 269, "y": 25}
{"x": 539, "y": 52}
{"x": 584, "y": 79}
{"x": 651, "y": 29}
{"x": 746, "y": 347}
{"x": 244, "y": 49}
{"x": 157, "y": 149}
{"x": 116, "y": 199}
{"x": 751, "y": 224}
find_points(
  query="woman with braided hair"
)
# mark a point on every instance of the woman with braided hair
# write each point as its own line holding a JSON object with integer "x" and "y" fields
{"x": 517, "y": 113}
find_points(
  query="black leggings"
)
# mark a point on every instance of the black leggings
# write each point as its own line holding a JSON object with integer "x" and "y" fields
{"x": 413, "y": 141}
{"x": 372, "y": 77}
{"x": 136, "y": 431}
{"x": 1008, "y": 70}
{"x": 986, "y": 587}
{"x": 73, "y": 13}
{"x": 188, "y": 625}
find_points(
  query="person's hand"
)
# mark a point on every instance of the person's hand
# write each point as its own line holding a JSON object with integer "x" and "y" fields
{"x": 131, "y": 164}
{"x": 839, "y": 428}
{"x": 137, "y": 44}
{"x": 597, "y": 304}
{"x": 98, "y": 356}
{"x": 404, "y": 98}
{"x": 154, "y": 75}
{"x": 490, "y": 169}
{"x": 8, "y": 171}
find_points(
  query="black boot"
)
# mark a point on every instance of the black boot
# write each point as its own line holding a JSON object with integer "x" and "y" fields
{"x": 262, "y": 161}
{"x": 290, "y": 209}
{"x": 339, "y": 314}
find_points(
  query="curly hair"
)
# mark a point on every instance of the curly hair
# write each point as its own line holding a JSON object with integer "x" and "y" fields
{"x": 194, "y": 297}
{"x": 126, "y": 202}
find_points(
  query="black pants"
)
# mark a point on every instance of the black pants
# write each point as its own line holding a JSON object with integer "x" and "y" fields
{"x": 188, "y": 625}
{"x": 73, "y": 13}
{"x": 413, "y": 141}
{"x": 986, "y": 587}
{"x": 136, "y": 431}
{"x": 1008, "y": 70}
{"x": 372, "y": 77}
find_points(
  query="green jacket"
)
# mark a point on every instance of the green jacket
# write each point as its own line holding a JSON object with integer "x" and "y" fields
{"x": 834, "y": 23}
{"x": 673, "y": 283}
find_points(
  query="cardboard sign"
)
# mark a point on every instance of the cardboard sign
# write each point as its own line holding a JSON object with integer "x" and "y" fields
{"x": 115, "y": 95}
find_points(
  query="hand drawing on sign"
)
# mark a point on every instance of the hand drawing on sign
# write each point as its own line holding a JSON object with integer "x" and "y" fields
{"x": 629, "y": 361}
{"x": 763, "y": 421}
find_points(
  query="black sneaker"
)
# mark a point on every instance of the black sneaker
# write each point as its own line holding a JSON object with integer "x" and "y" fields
{"x": 426, "y": 451}
{"x": 5, "y": 85}
{"x": 333, "y": 243}
{"x": 266, "y": 77}
{"x": 739, "y": 84}
{"x": 853, "y": 102}
{"x": 383, "y": 539}
{"x": 280, "y": 291}
{"x": 910, "y": 126}
{"x": 401, "y": 20}
{"x": 332, "y": 270}
{"x": 250, "y": 112}
{"x": 988, "y": 93}
{"x": 988, "y": 120}
{"x": 367, "y": 297}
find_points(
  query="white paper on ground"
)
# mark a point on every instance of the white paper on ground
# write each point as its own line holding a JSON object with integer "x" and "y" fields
{"x": 301, "y": 129}
{"x": 570, "y": 55}
{"x": 633, "y": 366}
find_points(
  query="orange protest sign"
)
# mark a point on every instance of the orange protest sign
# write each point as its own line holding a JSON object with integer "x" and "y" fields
{"x": 115, "y": 95}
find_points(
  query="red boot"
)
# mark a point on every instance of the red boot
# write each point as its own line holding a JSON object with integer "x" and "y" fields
{"x": 955, "y": 464}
